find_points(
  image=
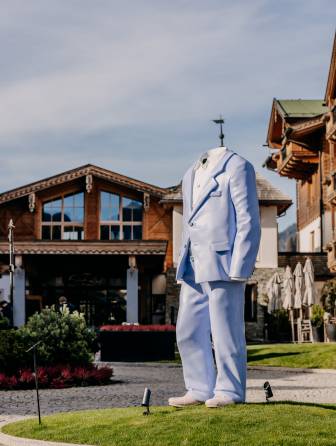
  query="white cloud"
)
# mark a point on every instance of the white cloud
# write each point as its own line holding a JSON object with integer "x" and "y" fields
{"x": 143, "y": 79}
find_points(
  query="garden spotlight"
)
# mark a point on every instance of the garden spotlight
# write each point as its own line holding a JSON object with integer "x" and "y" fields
{"x": 145, "y": 400}
{"x": 268, "y": 390}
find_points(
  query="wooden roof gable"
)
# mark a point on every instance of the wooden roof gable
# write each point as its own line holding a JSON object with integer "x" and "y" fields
{"x": 331, "y": 82}
{"x": 83, "y": 171}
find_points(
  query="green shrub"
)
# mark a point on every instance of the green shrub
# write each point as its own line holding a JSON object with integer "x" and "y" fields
{"x": 12, "y": 351}
{"x": 4, "y": 323}
{"x": 65, "y": 340}
{"x": 316, "y": 317}
{"x": 64, "y": 335}
{"x": 328, "y": 296}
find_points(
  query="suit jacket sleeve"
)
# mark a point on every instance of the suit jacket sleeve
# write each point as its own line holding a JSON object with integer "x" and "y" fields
{"x": 243, "y": 190}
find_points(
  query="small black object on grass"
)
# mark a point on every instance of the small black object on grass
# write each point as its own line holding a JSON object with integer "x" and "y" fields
{"x": 268, "y": 391}
{"x": 145, "y": 400}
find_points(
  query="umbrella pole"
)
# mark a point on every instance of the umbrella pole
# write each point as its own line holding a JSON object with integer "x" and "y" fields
{"x": 291, "y": 314}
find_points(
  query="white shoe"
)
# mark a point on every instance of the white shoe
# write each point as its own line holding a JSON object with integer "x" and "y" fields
{"x": 182, "y": 401}
{"x": 220, "y": 401}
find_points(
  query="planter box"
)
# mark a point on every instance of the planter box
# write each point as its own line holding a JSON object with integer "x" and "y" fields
{"x": 137, "y": 345}
{"x": 331, "y": 332}
{"x": 318, "y": 334}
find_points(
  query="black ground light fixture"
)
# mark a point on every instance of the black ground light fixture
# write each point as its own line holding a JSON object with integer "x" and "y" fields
{"x": 268, "y": 391}
{"x": 145, "y": 400}
{"x": 33, "y": 347}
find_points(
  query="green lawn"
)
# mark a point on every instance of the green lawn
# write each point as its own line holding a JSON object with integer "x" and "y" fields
{"x": 293, "y": 355}
{"x": 320, "y": 356}
{"x": 244, "y": 424}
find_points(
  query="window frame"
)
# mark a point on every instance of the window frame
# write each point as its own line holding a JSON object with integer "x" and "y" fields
{"x": 120, "y": 223}
{"x": 62, "y": 224}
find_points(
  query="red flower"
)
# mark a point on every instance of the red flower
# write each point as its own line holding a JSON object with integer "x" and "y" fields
{"x": 135, "y": 327}
{"x": 26, "y": 378}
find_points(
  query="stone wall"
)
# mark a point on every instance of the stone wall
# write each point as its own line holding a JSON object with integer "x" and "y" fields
{"x": 254, "y": 330}
{"x": 319, "y": 260}
{"x": 172, "y": 296}
{"x": 260, "y": 277}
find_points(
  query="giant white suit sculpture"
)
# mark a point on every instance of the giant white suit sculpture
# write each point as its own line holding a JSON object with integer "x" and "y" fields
{"x": 220, "y": 240}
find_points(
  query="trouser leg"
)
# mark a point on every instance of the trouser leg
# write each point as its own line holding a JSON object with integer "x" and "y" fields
{"x": 193, "y": 338}
{"x": 226, "y": 307}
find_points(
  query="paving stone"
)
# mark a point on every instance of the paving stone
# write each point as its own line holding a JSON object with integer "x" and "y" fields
{"x": 164, "y": 380}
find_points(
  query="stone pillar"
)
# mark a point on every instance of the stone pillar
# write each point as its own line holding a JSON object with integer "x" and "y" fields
{"x": 19, "y": 297}
{"x": 132, "y": 304}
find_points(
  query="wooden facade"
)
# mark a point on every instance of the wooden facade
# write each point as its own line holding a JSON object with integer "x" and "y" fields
{"x": 303, "y": 134}
{"x": 54, "y": 266}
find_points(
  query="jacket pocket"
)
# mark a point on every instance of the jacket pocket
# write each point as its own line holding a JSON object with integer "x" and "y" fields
{"x": 216, "y": 193}
{"x": 220, "y": 246}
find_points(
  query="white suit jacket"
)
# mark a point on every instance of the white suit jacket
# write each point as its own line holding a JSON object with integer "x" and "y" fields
{"x": 223, "y": 227}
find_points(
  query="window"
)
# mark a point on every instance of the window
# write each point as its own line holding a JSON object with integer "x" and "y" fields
{"x": 120, "y": 217}
{"x": 63, "y": 218}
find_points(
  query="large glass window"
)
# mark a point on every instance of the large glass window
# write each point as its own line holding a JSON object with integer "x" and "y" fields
{"x": 63, "y": 218}
{"x": 120, "y": 217}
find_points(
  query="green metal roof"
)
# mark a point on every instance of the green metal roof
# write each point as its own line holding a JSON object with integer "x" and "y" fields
{"x": 305, "y": 108}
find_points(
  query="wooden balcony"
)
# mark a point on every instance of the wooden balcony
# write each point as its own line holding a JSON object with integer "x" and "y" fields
{"x": 331, "y": 125}
{"x": 331, "y": 248}
{"x": 295, "y": 161}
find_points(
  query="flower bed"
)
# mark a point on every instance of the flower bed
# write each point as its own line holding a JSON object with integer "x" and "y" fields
{"x": 136, "y": 327}
{"x": 137, "y": 342}
{"x": 57, "y": 377}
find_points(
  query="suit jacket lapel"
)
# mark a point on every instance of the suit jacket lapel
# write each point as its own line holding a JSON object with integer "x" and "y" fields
{"x": 210, "y": 184}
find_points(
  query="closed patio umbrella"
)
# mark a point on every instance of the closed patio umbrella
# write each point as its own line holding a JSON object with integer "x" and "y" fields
{"x": 274, "y": 293}
{"x": 309, "y": 294}
{"x": 288, "y": 285}
{"x": 298, "y": 278}
{"x": 288, "y": 302}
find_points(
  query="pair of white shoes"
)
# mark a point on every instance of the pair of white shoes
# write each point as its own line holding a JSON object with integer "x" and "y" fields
{"x": 188, "y": 400}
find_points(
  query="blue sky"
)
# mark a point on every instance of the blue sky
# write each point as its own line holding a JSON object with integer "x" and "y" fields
{"x": 132, "y": 86}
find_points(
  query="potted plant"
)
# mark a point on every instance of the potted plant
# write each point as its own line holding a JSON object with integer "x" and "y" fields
{"x": 328, "y": 298}
{"x": 134, "y": 342}
{"x": 316, "y": 320}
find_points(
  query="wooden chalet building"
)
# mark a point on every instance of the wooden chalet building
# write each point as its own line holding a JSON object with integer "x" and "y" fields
{"x": 78, "y": 233}
{"x": 303, "y": 136}
{"x": 110, "y": 244}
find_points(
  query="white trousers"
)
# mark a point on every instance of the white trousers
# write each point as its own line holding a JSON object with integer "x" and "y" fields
{"x": 215, "y": 308}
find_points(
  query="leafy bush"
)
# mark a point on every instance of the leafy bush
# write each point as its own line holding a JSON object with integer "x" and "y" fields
{"x": 328, "y": 296}
{"x": 316, "y": 317}
{"x": 4, "y": 323}
{"x": 12, "y": 351}
{"x": 64, "y": 335}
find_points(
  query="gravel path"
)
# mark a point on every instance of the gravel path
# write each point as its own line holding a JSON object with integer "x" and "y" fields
{"x": 166, "y": 380}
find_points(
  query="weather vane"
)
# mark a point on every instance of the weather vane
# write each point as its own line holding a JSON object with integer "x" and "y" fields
{"x": 220, "y": 121}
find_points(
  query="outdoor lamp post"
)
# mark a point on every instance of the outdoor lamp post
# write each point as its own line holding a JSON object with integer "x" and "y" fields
{"x": 11, "y": 228}
{"x": 145, "y": 400}
{"x": 33, "y": 347}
